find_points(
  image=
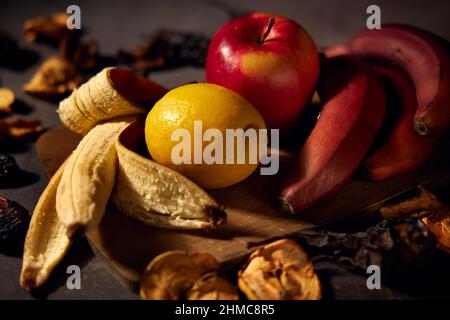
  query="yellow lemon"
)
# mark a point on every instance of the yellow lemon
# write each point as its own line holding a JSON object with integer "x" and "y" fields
{"x": 207, "y": 133}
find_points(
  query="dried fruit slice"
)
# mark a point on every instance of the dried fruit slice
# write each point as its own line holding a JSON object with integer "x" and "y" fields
{"x": 279, "y": 271}
{"x": 46, "y": 242}
{"x": 7, "y": 99}
{"x": 433, "y": 213}
{"x": 14, "y": 221}
{"x": 8, "y": 167}
{"x": 57, "y": 76}
{"x": 167, "y": 49}
{"x": 423, "y": 205}
{"x": 52, "y": 29}
{"x": 84, "y": 55}
{"x": 170, "y": 275}
{"x": 111, "y": 93}
{"x": 439, "y": 224}
{"x": 212, "y": 287}
{"x": 19, "y": 128}
{"x": 157, "y": 195}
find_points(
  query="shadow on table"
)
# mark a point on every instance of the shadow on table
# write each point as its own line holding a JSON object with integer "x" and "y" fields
{"x": 21, "y": 179}
{"x": 79, "y": 254}
{"x": 21, "y": 60}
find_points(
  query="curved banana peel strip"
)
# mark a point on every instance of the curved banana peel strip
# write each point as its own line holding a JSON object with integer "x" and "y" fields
{"x": 111, "y": 93}
{"x": 157, "y": 195}
{"x": 89, "y": 177}
{"x": 46, "y": 242}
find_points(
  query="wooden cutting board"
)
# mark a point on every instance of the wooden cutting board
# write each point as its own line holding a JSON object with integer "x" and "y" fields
{"x": 128, "y": 245}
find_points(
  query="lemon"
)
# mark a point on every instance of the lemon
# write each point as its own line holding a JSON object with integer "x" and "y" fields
{"x": 172, "y": 131}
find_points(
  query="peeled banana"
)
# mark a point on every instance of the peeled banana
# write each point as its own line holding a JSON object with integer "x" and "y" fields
{"x": 46, "y": 242}
{"x": 111, "y": 93}
{"x": 89, "y": 177}
{"x": 75, "y": 198}
{"x": 159, "y": 196}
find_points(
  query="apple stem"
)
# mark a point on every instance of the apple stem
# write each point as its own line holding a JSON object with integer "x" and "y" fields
{"x": 269, "y": 27}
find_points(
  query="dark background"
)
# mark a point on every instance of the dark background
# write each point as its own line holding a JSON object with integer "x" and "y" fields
{"x": 123, "y": 24}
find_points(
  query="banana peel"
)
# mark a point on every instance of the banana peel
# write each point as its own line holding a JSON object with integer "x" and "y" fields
{"x": 280, "y": 270}
{"x": 175, "y": 275}
{"x": 111, "y": 93}
{"x": 89, "y": 178}
{"x": 46, "y": 242}
{"x": 157, "y": 195}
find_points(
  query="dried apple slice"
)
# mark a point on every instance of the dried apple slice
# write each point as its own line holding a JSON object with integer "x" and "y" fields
{"x": 7, "y": 99}
{"x": 57, "y": 76}
{"x": 212, "y": 287}
{"x": 439, "y": 225}
{"x": 170, "y": 275}
{"x": 279, "y": 271}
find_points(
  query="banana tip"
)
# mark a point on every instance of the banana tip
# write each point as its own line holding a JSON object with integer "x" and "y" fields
{"x": 31, "y": 279}
{"x": 421, "y": 127}
{"x": 28, "y": 284}
{"x": 216, "y": 215}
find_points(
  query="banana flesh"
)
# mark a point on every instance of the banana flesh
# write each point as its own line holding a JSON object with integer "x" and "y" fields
{"x": 89, "y": 178}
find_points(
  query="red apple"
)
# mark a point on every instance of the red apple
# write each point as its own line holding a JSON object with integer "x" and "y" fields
{"x": 269, "y": 60}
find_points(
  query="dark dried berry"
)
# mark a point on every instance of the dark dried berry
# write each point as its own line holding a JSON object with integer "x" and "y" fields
{"x": 167, "y": 49}
{"x": 14, "y": 220}
{"x": 185, "y": 48}
{"x": 8, "y": 167}
{"x": 390, "y": 243}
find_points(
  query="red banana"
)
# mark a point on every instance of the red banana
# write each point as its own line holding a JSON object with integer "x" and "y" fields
{"x": 423, "y": 56}
{"x": 403, "y": 151}
{"x": 352, "y": 114}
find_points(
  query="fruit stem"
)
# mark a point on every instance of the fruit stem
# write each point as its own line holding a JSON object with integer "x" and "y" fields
{"x": 269, "y": 27}
{"x": 421, "y": 127}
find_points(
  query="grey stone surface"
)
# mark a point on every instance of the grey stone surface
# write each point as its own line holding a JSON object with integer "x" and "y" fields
{"x": 121, "y": 24}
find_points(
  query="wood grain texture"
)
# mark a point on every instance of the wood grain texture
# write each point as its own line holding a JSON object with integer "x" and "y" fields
{"x": 128, "y": 245}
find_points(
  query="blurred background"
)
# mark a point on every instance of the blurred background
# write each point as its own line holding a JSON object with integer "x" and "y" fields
{"x": 118, "y": 25}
